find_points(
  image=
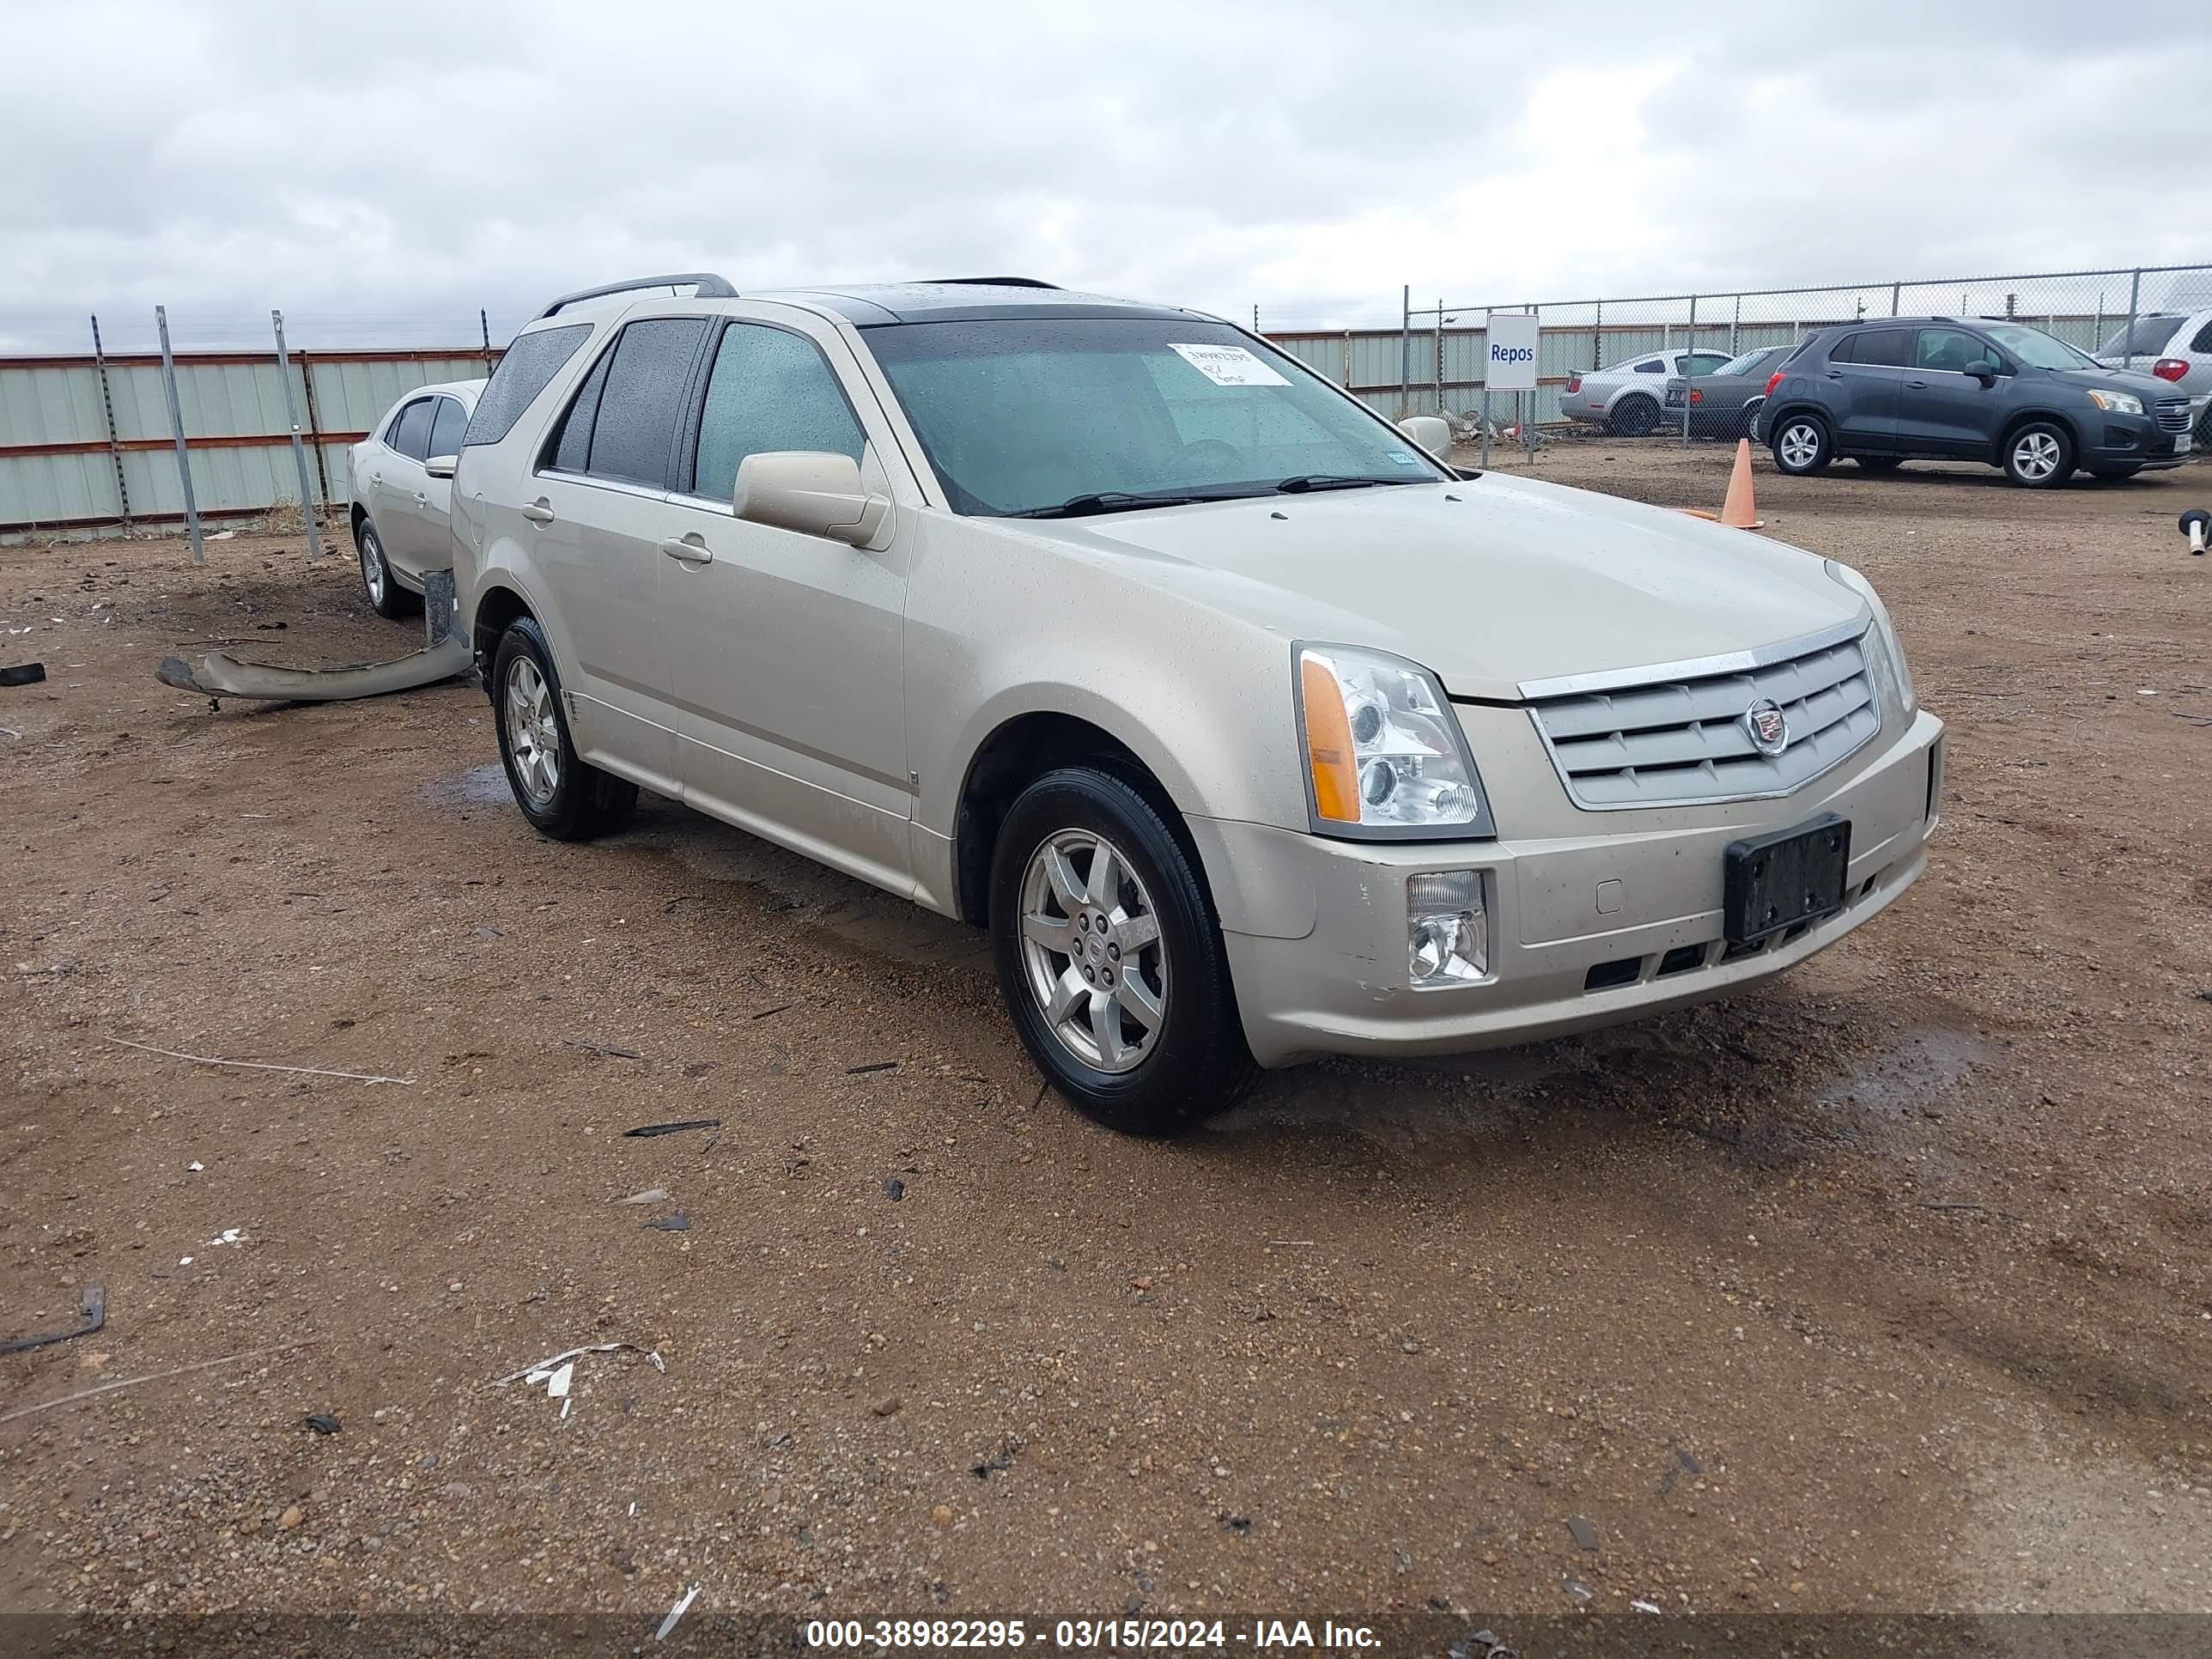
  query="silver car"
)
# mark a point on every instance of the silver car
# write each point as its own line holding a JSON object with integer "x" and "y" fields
{"x": 2175, "y": 347}
{"x": 1628, "y": 397}
{"x": 402, "y": 476}
{"x": 1249, "y": 729}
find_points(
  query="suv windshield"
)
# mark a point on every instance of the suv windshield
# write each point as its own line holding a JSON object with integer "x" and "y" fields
{"x": 1053, "y": 416}
{"x": 2038, "y": 350}
{"x": 2150, "y": 336}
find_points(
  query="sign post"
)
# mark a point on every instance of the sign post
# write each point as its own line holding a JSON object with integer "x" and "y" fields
{"x": 1509, "y": 340}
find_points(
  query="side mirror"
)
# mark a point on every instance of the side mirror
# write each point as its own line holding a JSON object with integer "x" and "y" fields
{"x": 1982, "y": 372}
{"x": 1431, "y": 432}
{"x": 813, "y": 492}
{"x": 441, "y": 467}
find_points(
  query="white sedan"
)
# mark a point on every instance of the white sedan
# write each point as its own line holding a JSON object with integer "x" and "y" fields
{"x": 399, "y": 504}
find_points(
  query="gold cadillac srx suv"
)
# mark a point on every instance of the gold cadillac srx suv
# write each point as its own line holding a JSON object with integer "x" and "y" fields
{"x": 1251, "y": 729}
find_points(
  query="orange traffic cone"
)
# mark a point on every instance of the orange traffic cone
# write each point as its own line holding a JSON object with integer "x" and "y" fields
{"x": 1737, "y": 510}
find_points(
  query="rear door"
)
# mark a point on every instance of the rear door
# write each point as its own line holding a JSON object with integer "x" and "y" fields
{"x": 397, "y": 487}
{"x": 786, "y": 649}
{"x": 600, "y": 512}
{"x": 1943, "y": 409}
{"x": 1865, "y": 376}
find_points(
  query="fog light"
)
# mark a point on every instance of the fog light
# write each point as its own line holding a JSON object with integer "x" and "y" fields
{"x": 1446, "y": 931}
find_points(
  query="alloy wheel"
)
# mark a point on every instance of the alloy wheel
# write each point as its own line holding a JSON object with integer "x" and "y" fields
{"x": 533, "y": 737}
{"x": 1800, "y": 445}
{"x": 1091, "y": 952}
{"x": 2035, "y": 457}
{"x": 372, "y": 567}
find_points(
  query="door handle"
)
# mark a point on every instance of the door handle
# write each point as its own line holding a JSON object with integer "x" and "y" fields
{"x": 687, "y": 550}
{"x": 376, "y": 477}
{"x": 420, "y": 500}
{"x": 539, "y": 512}
{"x": 1835, "y": 373}
{"x": 1918, "y": 385}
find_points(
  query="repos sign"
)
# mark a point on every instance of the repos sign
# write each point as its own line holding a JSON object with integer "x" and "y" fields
{"x": 1510, "y": 358}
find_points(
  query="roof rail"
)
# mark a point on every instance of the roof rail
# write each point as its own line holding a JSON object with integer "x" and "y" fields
{"x": 991, "y": 282}
{"x": 709, "y": 287}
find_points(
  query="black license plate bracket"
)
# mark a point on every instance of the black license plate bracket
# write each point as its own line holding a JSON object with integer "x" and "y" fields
{"x": 1776, "y": 882}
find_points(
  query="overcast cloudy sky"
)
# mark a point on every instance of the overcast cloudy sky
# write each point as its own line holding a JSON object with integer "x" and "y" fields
{"x": 396, "y": 165}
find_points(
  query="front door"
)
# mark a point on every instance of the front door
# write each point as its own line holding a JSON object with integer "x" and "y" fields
{"x": 1866, "y": 375}
{"x": 784, "y": 647}
{"x": 1944, "y": 411}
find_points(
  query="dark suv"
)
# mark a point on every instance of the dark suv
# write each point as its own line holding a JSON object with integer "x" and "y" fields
{"x": 1943, "y": 388}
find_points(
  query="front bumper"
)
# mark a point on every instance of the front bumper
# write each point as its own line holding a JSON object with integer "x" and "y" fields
{"x": 1315, "y": 929}
{"x": 2132, "y": 439}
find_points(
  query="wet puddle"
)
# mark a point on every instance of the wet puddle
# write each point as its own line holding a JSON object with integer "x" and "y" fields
{"x": 480, "y": 785}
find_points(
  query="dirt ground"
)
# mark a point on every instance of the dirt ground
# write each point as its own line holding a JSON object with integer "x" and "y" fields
{"x": 1882, "y": 1287}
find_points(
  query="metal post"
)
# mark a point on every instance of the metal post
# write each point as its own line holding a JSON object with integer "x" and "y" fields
{"x": 483, "y": 323}
{"x": 1895, "y": 288}
{"x": 2097, "y": 328}
{"x": 1406, "y": 351}
{"x": 177, "y": 426}
{"x": 315, "y": 428}
{"x": 1440, "y": 355}
{"x": 309, "y": 509}
{"x": 1690, "y": 370}
{"x": 1735, "y": 326}
{"x": 2134, "y": 298}
{"x": 107, "y": 410}
{"x": 1486, "y": 389}
{"x": 1597, "y": 340}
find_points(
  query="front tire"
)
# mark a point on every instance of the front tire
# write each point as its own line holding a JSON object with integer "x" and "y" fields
{"x": 1801, "y": 445}
{"x": 391, "y": 600}
{"x": 563, "y": 796}
{"x": 1633, "y": 416}
{"x": 1110, "y": 958}
{"x": 2040, "y": 456}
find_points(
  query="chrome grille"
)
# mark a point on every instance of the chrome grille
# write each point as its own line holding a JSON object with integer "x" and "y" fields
{"x": 2173, "y": 414}
{"x": 1674, "y": 742}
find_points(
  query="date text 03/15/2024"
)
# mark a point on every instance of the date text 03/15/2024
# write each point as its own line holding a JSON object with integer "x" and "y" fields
{"x": 1199, "y": 1635}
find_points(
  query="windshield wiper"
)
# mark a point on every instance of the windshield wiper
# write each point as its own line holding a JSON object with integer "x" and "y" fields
{"x": 1308, "y": 480}
{"x": 1110, "y": 501}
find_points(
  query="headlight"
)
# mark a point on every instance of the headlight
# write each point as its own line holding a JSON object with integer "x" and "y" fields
{"x": 1885, "y": 635}
{"x": 1384, "y": 756}
{"x": 2117, "y": 403}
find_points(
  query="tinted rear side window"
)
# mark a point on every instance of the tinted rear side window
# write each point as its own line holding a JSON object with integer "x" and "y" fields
{"x": 445, "y": 431}
{"x": 770, "y": 389}
{"x": 529, "y": 365}
{"x": 411, "y": 436}
{"x": 642, "y": 402}
{"x": 572, "y": 446}
{"x": 1888, "y": 347}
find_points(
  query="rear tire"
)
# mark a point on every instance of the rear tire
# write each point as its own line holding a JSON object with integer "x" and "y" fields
{"x": 1114, "y": 975}
{"x": 1802, "y": 445}
{"x": 1633, "y": 416}
{"x": 560, "y": 796}
{"x": 391, "y": 600}
{"x": 2040, "y": 455}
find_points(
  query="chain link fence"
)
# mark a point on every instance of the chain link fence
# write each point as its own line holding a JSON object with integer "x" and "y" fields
{"x": 1432, "y": 364}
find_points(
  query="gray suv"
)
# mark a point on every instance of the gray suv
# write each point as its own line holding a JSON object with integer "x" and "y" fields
{"x": 1943, "y": 388}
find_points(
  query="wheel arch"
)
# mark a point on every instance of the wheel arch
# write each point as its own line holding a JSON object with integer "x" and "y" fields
{"x": 2010, "y": 430}
{"x": 1017, "y": 751}
{"x": 498, "y": 606}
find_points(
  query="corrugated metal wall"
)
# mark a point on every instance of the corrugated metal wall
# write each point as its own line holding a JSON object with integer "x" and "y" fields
{"x": 59, "y": 458}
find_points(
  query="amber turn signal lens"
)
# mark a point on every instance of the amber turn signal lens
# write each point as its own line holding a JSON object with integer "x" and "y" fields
{"x": 1328, "y": 743}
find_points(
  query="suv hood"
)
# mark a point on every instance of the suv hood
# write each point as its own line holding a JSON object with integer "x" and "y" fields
{"x": 1491, "y": 582}
{"x": 2145, "y": 384}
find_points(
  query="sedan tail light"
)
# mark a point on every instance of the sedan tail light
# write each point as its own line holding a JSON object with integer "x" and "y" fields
{"x": 1574, "y": 383}
{"x": 1774, "y": 380}
{"x": 2170, "y": 368}
{"x": 1696, "y": 395}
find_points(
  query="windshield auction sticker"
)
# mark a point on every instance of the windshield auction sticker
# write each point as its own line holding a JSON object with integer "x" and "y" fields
{"x": 1228, "y": 365}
